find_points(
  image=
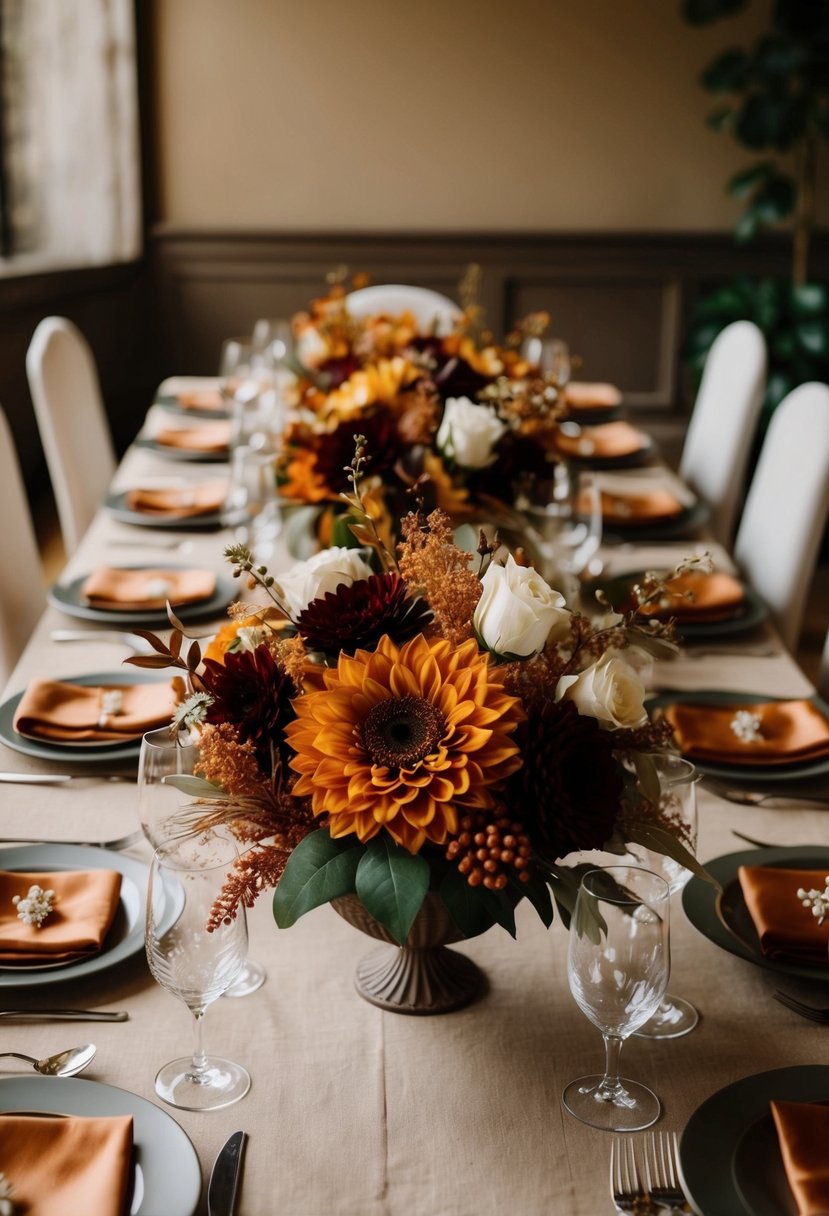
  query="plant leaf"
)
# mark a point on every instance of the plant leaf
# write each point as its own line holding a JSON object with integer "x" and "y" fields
{"x": 149, "y": 660}
{"x": 195, "y": 787}
{"x": 156, "y": 642}
{"x": 700, "y": 12}
{"x": 319, "y": 869}
{"x": 660, "y": 840}
{"x": 742, "y": 183}
{"x": 392, "y": 883}
{"x": 537, "y": 892}
{"x": 728, "y": 73}
{"x": 470, "y": 913}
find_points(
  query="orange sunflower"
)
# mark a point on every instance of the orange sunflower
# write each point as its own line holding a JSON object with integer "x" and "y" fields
{"x": 405, "y": 739}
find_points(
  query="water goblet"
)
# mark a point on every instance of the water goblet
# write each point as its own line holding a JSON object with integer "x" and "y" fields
{"x": 195, "y": 955}
{"x": 564, "y": 518}
{"x": 251, "y": 505}
{"x": 618, "y": 964}
{"x": 167, "y": 752}
{"x": 674, "y": 1016}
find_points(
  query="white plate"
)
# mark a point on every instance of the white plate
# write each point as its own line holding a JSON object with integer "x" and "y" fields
{"x": 167, "y": 1168}
{"x": 126, "y": 936}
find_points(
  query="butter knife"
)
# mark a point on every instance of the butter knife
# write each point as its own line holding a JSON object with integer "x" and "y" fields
{"x": 224, "y": 1177}
{"x": 64, "y": 1015}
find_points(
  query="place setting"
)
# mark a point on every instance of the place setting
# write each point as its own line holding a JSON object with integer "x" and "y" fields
{"x": 139, "y": 594}
{"x": 193, "y": 396}
{"x": 604, "y": 445}
{"x": 174, "y": 504}
{"x": 203, "y": 441}
{"x": 639, "y": 509}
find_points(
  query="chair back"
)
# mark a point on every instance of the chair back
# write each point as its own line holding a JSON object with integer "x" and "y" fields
{"x": 430, "y": 309}
{"x": 786, "y": 508}
{"x": 66, "y": 395}
{"x": 723, "y": 421}
{"x": 22, "y": 597}
{"x": 822, "y": 681}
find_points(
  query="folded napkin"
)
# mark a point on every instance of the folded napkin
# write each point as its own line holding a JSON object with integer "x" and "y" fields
{"x": 84, "y": 907}
{"x": 607, "y": 441}
{"x": 786, "y": 929}
{"x": 147, "y": 589}
{"x": 773, "y": 732}
{"x": 67, "y": 1165}
{"x": 580, "y": 395}
{"x": 803, "y": 1133}
{"x": 201, "y": 399}
{"x": 644, "y": 507}
{"x": 60, "y": 712}
{"x": 713, "y": 597}
{"x": 179, "y": 502}
{"x": 208, "y": 437}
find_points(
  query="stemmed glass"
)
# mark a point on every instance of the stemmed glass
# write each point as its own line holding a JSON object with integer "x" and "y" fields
{"x": 247, "y": 381}
{"x": 251, "y": 505}
{"x": 195, "y": 962}
{"x": 618, "y": 964}
{"x": 564, "y": 518}
{"x": 167, "y": 752}
{"x": 678, "y": 807}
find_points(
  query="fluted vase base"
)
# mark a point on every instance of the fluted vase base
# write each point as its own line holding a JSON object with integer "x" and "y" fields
{"x": 434, "y": 980}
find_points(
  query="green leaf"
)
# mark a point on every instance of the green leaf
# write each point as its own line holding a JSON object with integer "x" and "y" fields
{"x": 700, "y": 12}
{"x": 647, "y": 777}
{"x": 743, "y": 183}
{"x": 747, "y": 227}
{"x": 470, "y": 913}
{"x": 767, "y": 121}
{"x": 659, "y": 840}
{"x": 809, "y": 299}
{"x": 537, "y": 892}
{"x": 813, "y": 336}
{"x": 728, "y": 73}
{"x": 720, "y": 119}
{"x": 565, "y": 882}
{"x": 319, "y": 869}
{"x": 194, "y": 787}
{"x": 392, "y": 884}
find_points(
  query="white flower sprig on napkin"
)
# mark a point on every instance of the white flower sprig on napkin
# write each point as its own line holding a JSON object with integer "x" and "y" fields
{"x": 7, "y": 1207}
{"x": 818, "y": 901}
{"x": 746, "y": 726}
{"x": 34, "y": 907}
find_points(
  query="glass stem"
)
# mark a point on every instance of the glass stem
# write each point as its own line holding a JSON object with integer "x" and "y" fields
{"x": 199, "y": 1061}
{"x": 610, "y": 1083}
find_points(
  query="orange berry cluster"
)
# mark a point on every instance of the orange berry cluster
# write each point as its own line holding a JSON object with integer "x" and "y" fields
{"x": 486, "y": 849}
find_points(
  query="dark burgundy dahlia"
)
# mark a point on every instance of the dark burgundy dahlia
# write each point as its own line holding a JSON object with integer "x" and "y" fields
{"x": 567, "y": 790}
{"x": 355, "y": 617}
{"x": 335, "y": 450}
{"x": 254, "y": 695}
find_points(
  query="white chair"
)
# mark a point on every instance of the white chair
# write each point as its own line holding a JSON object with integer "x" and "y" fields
{"x": 723, "y": 421}
{"x": 66, "y": 395}
{"x": 431, "y": 310}
{"x": 22, "y": 597}
{"x": 822, "y": 682}
{"x": 785, "y": 511}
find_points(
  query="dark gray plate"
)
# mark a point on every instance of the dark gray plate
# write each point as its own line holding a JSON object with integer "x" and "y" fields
{"x": 687, "y": 521}
{"x": 172, "y": 404}
{"x": 67, "y": 597}
{"x": 724, "y": 918}
{"x": 746, "y": 774}
{"x": 713, "y": 1136}
{"x": 185, "y": 454}
{"x": 752, "y": 613}
{"x": 632, "y": 460}
{"x": 116, "y": 504}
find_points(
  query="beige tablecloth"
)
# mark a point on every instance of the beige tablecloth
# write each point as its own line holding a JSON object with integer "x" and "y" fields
{"x": 366, "y": 1113}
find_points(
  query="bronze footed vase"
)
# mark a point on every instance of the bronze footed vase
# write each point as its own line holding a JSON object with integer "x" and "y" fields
{"x": 422, "y": 976}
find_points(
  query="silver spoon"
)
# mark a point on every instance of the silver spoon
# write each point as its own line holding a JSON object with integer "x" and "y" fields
{"x": 64, "y": 1064}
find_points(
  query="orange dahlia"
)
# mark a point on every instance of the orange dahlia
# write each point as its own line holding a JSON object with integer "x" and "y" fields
{"x": 404, "y": 738}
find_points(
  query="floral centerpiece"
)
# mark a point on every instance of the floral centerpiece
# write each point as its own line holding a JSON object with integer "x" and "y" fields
{"x": 455, "y": 413}
{"x": 432, "y": 724}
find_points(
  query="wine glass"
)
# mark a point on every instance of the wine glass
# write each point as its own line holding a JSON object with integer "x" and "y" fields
{"x": 618, "y": 963}
{"x": 195, "y": 962}
{"x": 678, "y": 807}
{"x": 551, "y": 356}
{"x": 167, "y": 752}
{"x": 248, "y": 382}
{"x": 251, "y": 505}
{"x": 564, "y": 518}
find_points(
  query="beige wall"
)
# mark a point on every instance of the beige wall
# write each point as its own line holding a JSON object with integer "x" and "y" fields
{"x": 440, "y": 114}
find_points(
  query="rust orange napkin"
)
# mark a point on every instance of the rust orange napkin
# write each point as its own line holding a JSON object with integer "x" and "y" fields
{"x": 146, "y": 589}
{"x": 697, "y": 596}
{"x": 67, "y": 1165}
{"x": 84, "y": 906}
{"x": 178, "y": 501}
{"x": 608, "y": 441}
{"x": 201, "y": 399}
{"x": 60, "y": 712}
{"x": 803, "y": 1134}
{"x": 580, "y": 395}
{"x": 209, "y": 437}
{"x": 645, "y": 507}
{"x": 786, "y": 929}
{"x": 788, "y": 731}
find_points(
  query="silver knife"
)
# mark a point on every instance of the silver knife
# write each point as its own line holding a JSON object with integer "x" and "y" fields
{"x": 224, "y": 1177}
{"x": 61, "y": 778}
{"x": 64, "y": 1015}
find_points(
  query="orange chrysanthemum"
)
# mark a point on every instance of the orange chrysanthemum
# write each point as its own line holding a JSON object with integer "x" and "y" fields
{"x": 405, "y": 739}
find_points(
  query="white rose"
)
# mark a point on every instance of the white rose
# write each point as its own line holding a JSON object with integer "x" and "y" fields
{"x": 323, "y": 572}
{"x": 609, "y": 690}
{"x": 518, "y": 611}
{"x": 469, "y": 432}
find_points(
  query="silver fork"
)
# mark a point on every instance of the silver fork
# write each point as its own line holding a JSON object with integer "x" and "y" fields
{"x": 625, "y": 1183}
{"x": 662, "y": 1172}
{"x": 121, "y": 637}
{"x": 120, "y": 842}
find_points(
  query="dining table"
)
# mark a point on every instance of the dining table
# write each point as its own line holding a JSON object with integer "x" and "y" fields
{"x": 364, "y": 1112}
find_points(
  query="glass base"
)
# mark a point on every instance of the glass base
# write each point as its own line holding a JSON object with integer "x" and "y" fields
{"x": 221, "y": 1083}
{"x": 673, "y": 1018}
{"x": 630, "y": 1108}
{"x": 251, "y": 977}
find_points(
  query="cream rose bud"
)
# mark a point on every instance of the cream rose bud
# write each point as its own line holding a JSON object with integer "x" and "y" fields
{"x": 518, "y": 612}
{"x": 469, "y": 432}
{"x": 321, "y": 573}
{"x": 610, "y": 691}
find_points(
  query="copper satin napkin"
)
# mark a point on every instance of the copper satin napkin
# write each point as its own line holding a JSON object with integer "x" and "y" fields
{"x": 697, "y": 596}
{"x": 178, "y": 501}
{"x": 646, "y": 507}
{"x": 60, "y": 712}
{"x": 144, "y": 590}
{"x": 803, "y": 1133}
{"x": 607, "y": 441}
{"x": 786, "y": 929}
{"x": 789, "y": 731}
{"x": 85, "y": 904}
{"x": 201, "y": 399}
{"x": 67, "y": 1165}
{"x": 209, "y": 437}
{"x": 581, "y": 395}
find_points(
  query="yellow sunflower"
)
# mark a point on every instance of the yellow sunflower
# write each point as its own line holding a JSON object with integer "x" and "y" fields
{"x": 405, "y": 739}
